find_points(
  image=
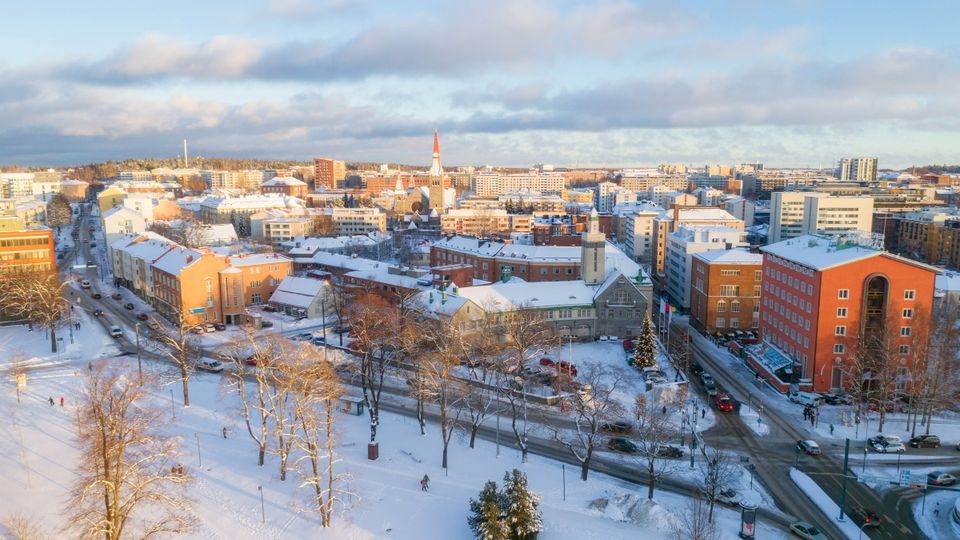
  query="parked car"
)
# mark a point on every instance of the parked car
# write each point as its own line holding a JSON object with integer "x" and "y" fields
{"x": 209, "y": 328}
{"x": 867, "y": 519}
{"x": 886, "y": 444}
{"x": 696, "y": 369}
{"x": 668, "y": 451}
{"x": 888, "y": 406}
{"x": 727, "y": 496}
{"x": 142, "y": 317}
{"x": 85, "y": 284}
{"x": 547, "y": 362}
{"x": 622, "y": 445}
{"x": 925, "y": 441}
{"x": 128, "y": 306}
{"x": 807, "y": 398}
{"x": 628, "y": 344}
{"x": 620, "y": 426}
{"x": 706, "y": 378}
{"x": 198, "y": 330}
{"x": 93, "y": 244}
{"x": 723, "y": 402}
{"x": 838, "y": 399}
{"x": 318, "y": 340}
{"x": 806, "y": 530}
{"x": 269, "y": 309}
{"x": 116, "y": 296}
{"x": 566, "y": 367}
{"x": 115, "y": 331}
{"x": 207, "y": 364}
{"x": 96, "y": 296}
{"x": 809, "y": 447}
{"x": 266, "y": 324}
{"x": 97, "y": 312}
{"x": 940, "y": 478}
{"x": 220, "y": 326}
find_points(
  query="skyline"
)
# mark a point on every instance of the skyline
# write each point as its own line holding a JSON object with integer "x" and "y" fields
{"x": 572, "y": 83}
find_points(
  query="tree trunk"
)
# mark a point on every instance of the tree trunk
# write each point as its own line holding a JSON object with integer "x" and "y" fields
{"x": 183, "y": 381}
{"x": 584, "y": 468}
{"x": 421, "y": 419}
{"x": 446, "y": 444}
{"x": 261, "y": 454}
{"x": 713, "y": 499}
{"x": 473, "y": 434}
{"x": 651, "y": 479}
{"x": 53, "y": 340}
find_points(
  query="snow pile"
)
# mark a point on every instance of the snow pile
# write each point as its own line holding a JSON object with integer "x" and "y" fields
{"x": 634, "y": 509}
{"x": 823, "y": 502}
{"x": 752, "y": 419}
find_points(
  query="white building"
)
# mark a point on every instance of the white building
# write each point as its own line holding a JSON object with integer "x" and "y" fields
{"x": 683, "y": 244}
{"x": 492, "y": 183}
{"x": 120, "y": 221}
{"x": 795, "y": 213}
{"x": 862, "y": 169}
{"x": 741, "y": 209}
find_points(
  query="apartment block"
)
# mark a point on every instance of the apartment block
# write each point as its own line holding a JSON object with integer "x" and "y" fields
{"x": 671, "y": 220}
{"x": 861, "y": 169}
{"x": 932, "y": 236}
{"x": 27, "y": 251}
{"x": 795, "y": 213}
{"x": 328, "y": 173}
{"x": 484, "y": 222}
{"x": 682, "y": 245}
{"x": 725, "y": 290}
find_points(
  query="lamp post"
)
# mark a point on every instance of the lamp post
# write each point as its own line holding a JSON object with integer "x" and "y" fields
{"x": 139, "y": 361}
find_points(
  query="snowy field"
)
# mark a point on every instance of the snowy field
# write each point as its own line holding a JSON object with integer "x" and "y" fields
{"x": 384, "y": 502}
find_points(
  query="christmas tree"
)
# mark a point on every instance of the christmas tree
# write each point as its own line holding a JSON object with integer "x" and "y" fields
{"x": 645, "y": 354}
{"x": 522, "y": 516}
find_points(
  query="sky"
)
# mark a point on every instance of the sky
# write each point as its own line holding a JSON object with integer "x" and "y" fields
{"x": 612, "y": 83}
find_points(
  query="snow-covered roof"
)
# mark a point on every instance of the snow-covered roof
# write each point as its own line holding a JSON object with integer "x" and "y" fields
{"x": 297, "y": 292}
{"x": 730, "y": 256}
{"x": 269, "y": 200}
{"x": 257, "y": 258}
{"x": 121, "y": 212}
{"x": 438, "y": 303}
{"x": 541, "y": 295}
{"x": 470, "y": 245}
{"x": 219, "y": 233}
{"x": 175, "y": 260}
{"x": 948, "y": 282}
{"x": 822, "y": 252}
{"x": 381, "y": 274}
{"x": 701, "y": 214}
{"x": 283, "y": 181}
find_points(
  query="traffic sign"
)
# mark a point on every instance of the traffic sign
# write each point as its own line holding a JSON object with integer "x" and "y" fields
{"x": 905, "y": 478}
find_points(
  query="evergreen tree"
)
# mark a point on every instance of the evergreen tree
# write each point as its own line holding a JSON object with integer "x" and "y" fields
{"x": 489, "y": 495}
{"x": 645, "y": 354}
{"x": 492, "y": 526}
{"x": 522, "y": 516}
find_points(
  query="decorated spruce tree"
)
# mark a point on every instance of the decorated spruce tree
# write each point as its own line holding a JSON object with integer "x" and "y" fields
{"x": 645, "y": 355}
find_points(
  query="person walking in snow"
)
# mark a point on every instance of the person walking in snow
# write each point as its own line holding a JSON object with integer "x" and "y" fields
{"x": 51, "y": 401}
{"x": 425, "y": 483}
{"x": 61, "y": 401}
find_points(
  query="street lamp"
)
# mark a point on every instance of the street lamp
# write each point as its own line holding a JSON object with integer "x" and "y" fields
{"x": 139, "y": 362}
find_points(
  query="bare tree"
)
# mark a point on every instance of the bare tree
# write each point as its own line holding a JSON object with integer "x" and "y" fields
{"x": 939, "y": 372}
{"x": 181, "y": 346}
{"x": 373, "y": 324}
{"x": 20, "y": 527}
{"x": 654, "y": 432}
{"x": 37, "y": 297}
{"x": 693, "y": 522}
{"x": 315, "y": 390}
{"x": 719, "y": 471}
{"x": 188, "y": 232}
{"x": 481, "y": 393}
{"x": 525, "y": 334}
{"x": 124, "y": 482}
{"x": 280, "y": 401}
{"x": 447, "y": 343}
{"x": 589, "y": 412}
{"x": 58, "y": 211}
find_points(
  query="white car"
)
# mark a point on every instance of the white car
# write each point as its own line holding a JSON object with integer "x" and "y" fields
{"x": 888, "y": 444}
{"x": 115, "y": 331}
{"x": 207, "y": 364}
{"x": 725, "y": 496}
{"x": 806, "y": 530}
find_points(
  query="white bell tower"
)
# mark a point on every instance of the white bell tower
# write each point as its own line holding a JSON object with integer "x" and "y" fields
{"x": 592, "y": 258}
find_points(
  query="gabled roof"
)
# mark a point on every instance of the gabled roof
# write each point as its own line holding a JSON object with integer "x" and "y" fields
{"x": 175, "y": 260}
{"x": 297, "y": 292}
{"x": 541, "y": 295}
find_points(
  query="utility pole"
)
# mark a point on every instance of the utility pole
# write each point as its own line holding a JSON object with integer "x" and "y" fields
{"x": 843, "y": 494}
{"x": 139, "y": 362}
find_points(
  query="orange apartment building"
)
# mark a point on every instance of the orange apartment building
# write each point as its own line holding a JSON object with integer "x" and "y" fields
{"x": 725, "y": 289}
{"x": 208, "y": 287}
{"x": 820, "y": 295}
{"x": 27, "y": 251}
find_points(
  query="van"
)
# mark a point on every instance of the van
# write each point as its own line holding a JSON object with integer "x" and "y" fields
{"x": 115, "y": 331}
{"x": 807, "y": 398}
{"x": 207, "y": 364}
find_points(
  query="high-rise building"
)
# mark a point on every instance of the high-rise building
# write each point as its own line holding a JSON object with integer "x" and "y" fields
{"x": 861, "y": 169}
{"x": 794, "y": 213}
{"x": 328, "y": 173}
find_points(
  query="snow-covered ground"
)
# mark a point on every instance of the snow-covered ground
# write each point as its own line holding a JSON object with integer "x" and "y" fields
{"x": 935, "y": 515}
{"x": 824, "y": 502}
{"x": 753, "y": 420}
{"x": 384, "y": 498}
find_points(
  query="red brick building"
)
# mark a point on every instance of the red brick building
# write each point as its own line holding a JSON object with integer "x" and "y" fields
{"x": 821, "y": 295}
{"x": 725, "y": 287}
{"x": 285, "y": 186}
{"x": 27, "y": 251}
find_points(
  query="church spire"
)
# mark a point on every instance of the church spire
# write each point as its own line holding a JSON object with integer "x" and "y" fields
{"x": 435, "y": 168}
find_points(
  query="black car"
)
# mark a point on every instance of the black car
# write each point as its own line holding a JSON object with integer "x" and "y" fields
{"x": 116, "y": 296}
{"x": 866, "y": 518}
{"x": 96, "y": 296}
{"x": 97, "y": 312}
{"x": 696, "y": 369}
{"x": 220, "y": 326}
{"x": 128, "y": 305}
{"x": 925, "y": 441}
{"x": 619, "y": 444}
{"x": 620, "y": 426}
{"x": 93, "y": 244}
{"x": 266, "y": 324}
{"x": 668, "y": 451}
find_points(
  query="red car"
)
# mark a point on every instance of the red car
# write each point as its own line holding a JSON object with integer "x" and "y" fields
{"x": 724, "y": 403}
{"x": 547, "y": 362}
{"x": 627, "y": 344}
{"x": 566, "y": 367}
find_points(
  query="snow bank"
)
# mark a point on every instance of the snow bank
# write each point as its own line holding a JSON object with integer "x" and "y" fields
{"x": 634, "y": 509}
{"x": 752, "y": 419}
{"x": 823, "y": 502}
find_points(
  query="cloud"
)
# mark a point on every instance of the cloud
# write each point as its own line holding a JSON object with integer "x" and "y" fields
{"x": 309, "y": 10}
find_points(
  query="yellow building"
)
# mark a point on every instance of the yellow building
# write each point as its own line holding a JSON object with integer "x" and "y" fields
{"x": 110, "y": 197}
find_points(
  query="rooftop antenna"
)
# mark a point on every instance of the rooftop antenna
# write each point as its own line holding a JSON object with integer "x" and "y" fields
{"x": 186, "y": 157}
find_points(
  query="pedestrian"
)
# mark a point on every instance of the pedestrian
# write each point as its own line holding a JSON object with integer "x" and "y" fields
{"x": 51, "y": 401}
{"x": 812, "y": 418}
{"x": 703, "y": 413}
{"x": 224, "y": 432}
{"x": 61, "y": 401}
{"x": 831, "y": 429}
{"x": 805, "y": 412}
{"x": 664, "y": 410}
{"x": 425, "y": 483}
{"x": 936, "y": 509}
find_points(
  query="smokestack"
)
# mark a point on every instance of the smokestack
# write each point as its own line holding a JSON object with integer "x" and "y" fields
{"x": 186, "y": 157}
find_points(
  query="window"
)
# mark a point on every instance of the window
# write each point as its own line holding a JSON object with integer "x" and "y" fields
{"x": 843, "y": 294}
{"x": 721, "y": 322}
{"x": 908, "y": 313}
{"x": 756, "y": 291}
{"x": 734, "y": 323}
{"x": 840, "y": 330}
{"x": 909, "y": 294}
{"x": 904, "y": 349}
{"x": 842, "y": 312}
{"x": 905, "y": 331}
{"x": 255, "y": 283}
{"x": 721, "y": 306}
{"x": 757, "y": 275}
{"x": 729, "y": 290}
{"x": 543, "y": 271}
{"x": 729, "y": 273}
{"x": 735, "y": 306}
{"x": 838, "y": 348}
{"x": 903, "y": 376}
{"x": 256, "y": 298}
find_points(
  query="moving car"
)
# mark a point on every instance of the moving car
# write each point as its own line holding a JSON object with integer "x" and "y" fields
{"x": 93, "y": 244}
{"x": 806, "y": 530}
{"x": 115, "y": 331}
{"x": 925, "y": 441}
{"x": 809, "y": 447}
{"x": 116, "y": 296}
{"x": 706, "y": 378}
{"x": 128, "y": 305}
{"x": 96, "y": 296}
{"x": 97, "y": 312}
{"x": 723, "y": 402}
{"x": 940, "y": 478}
{"x": 85, "y": 284}
{"x": 886, "y": 444}
{"x": 142, "y": 317}
{"x": 620, "y": 444}
{"x": 620, "y": 426}
{"x": 207, "y": 364}
{"x": 198, "y": 330}
{"x": 696, "y": 369}
{"x": 266, "y": 324}
{"x": 723, "y": 496}
{"x": 318, "y": 340}
{"x": 154, "y": 324}
{"x": 710, "y": 387}
{"x": 866, "y": 518}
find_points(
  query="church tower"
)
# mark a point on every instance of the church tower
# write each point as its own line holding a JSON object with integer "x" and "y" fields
{"x": 593, "y": 243}
{"x": 437, "y": 181}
